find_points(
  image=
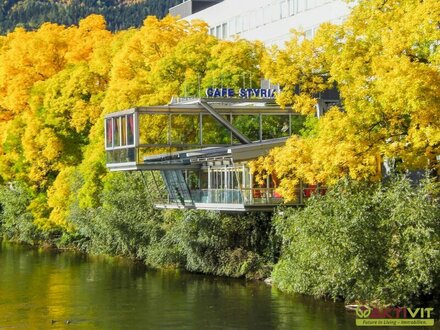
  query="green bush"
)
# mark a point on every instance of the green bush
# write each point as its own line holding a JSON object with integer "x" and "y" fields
{"x": 16, "y": 221}
{"x": 222, "y": 244}
{"x": 125, "y": 224}
{"x": 366, "y": 243}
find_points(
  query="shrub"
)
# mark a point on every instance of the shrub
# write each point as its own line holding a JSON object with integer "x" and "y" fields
{"x": 378, "y": 242}
{"x": 16, "y": 221}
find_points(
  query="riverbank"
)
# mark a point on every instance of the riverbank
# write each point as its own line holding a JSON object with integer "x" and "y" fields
{"x": 359, "y": 243}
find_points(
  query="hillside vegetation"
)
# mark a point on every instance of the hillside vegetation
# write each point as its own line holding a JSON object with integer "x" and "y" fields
{"x": 119, "y": 14}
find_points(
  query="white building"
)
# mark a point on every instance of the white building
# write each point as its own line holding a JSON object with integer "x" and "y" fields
{"x": 267, "y": 20}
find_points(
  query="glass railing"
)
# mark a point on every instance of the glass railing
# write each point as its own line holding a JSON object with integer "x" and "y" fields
{"x": 252, "y": 196}
{"x": 217, "y": 196}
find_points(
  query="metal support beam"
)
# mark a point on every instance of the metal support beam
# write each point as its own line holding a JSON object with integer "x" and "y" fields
{"x": 243, "y": 139}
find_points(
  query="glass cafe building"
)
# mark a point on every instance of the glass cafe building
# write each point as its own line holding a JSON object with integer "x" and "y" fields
{"x": 195, "y": 153}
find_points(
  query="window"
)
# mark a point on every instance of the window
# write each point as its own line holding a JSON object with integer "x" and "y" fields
{"x": 238, "y": 25}
{"x": 249, "y": 125}
{"x": 123, "y": 131}
{"x": 292, "y": 9}
{"x": 284, "y": 7}
{"x": 224, "y": 30}
{"x": 116, "y": 132}
{"x": 214, "y": 132}
{"x": 153, "y": 129}
{"x": 275, "y": 126}
{"x": 212, "y": 31}
{"x": 296, "y": 123}
{"x": 185, "y": 129}
{"x": 266, "y": 14}
{"x": 130, "y": 130}
{"x": 301, "y": 6}
{"x": 232, "y": 27}
{"x": 276, "y": 12}
{"x": 109, "y": 132}
{"x": 246, "y": 22}
{"x": 218, "y": 31}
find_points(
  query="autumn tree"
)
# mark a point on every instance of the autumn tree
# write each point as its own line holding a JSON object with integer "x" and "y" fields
{"x": 384, "y": 60}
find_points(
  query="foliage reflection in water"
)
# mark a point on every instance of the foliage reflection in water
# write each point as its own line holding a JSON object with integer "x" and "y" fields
{"x": 48, "y": 289}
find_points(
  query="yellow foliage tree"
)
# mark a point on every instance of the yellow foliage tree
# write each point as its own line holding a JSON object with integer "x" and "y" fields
{"x": 384, "y": 59}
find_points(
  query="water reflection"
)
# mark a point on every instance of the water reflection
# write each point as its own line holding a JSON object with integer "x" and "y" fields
{"x": 43, "y": 289}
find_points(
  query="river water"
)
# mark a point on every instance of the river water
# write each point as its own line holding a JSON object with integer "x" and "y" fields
{"x": 41, "y": 289}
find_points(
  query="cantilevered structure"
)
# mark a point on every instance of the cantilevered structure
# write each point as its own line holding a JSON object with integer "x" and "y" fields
{"x": 197, "y": 151}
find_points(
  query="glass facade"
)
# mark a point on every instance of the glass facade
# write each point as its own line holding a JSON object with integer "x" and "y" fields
{"x": 156, "y": 139}
{"x": 153, "y": 128}
{"x": 249, "y": 125}
{"x": 275, "y": 126}
{"x": 213, "y": 132}
{"x": 296, "y": 124}
{"x": 185, "y": 129}
{"x": 172, "y": 132}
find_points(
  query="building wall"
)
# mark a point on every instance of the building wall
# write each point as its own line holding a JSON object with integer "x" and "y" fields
{"x": 270, "y": 20}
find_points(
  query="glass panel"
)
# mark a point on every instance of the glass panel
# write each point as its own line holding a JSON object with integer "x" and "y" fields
{"x": 296, "y": 123}
{"x": 185, "y": 129}
{"x": 130, "y": 130}
{"x": 121, "y": 155}
{"x": 116, "y": 132}
{"x": 249, "y": 125}
{"x": 275, "y": 126}
{"x": 204, "y": 179}
{"x": 214, "y": 132}
{"x": 109, "y": 132}
{"x": 123, "y": 131}
{"x": 143, "y": 153}
{"x": 192, "y": 180}
{"x": 153, "y": 129}
{"x": 177, "y": 187}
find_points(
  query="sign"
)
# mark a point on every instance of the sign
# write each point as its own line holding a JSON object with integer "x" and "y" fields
{"x": 244, "y": 93}
{"x": 394, "y": 317}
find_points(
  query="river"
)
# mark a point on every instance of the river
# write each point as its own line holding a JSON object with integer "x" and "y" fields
{"x": 47, "y": 289}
